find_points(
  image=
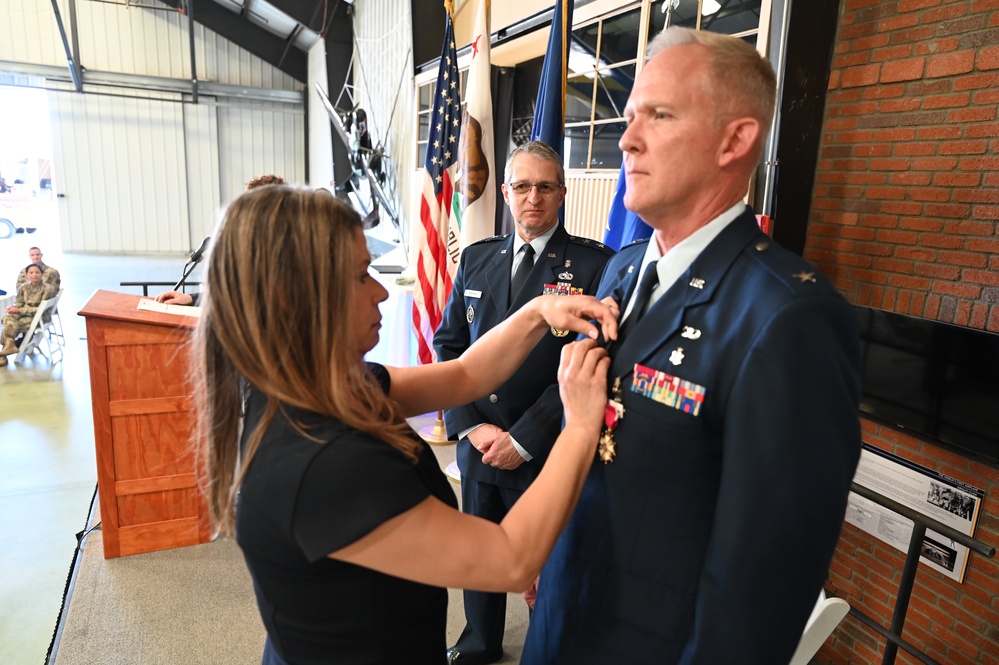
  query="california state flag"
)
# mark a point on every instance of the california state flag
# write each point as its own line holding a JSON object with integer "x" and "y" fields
{"x": 476, "y": 178}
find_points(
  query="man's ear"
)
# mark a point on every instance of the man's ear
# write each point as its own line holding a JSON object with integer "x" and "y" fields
{"x": 739, "y": 138}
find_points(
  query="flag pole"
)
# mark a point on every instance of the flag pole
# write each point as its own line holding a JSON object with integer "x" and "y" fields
{"x": 436, "y": 435}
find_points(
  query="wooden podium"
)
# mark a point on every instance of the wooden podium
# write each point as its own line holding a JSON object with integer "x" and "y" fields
{"x": 143, "y": 423}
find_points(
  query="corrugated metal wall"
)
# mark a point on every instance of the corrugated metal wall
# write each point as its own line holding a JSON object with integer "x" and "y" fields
{"x": 138, "y": 175}
{"x": 28, "y": 32}
{"x": 139, "y": 170}
{"x": 256, "y": 141}
{"x": 587, "y": 202}
{"x": 134, "y": 40}
{"x": 119, "y": 173}
{"x": 204, "y": 188}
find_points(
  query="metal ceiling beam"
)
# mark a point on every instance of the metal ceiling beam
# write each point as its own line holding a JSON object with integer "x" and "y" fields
{"x": 71, "y": 60}
{"x": 157, "y": 83}
{"x": 306, "y": 12}
{"x": 290, "y": 41}
{"x": 261, "y": 43}
{"x": 190, "y": 39}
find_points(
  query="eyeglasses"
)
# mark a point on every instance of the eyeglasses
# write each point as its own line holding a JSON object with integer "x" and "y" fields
{"x": 544, "y": 188}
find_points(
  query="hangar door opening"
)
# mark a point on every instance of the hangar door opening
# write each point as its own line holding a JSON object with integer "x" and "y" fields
{"x": 28, "y": 213}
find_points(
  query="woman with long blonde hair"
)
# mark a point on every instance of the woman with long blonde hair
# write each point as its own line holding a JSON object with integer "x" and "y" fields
{"x": 348, "y": 526}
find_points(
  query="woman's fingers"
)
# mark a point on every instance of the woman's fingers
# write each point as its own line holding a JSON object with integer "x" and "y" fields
{"x": 583, "y": 382}
{"x": 576, "y": 312}
{"x": 611, "y": 333}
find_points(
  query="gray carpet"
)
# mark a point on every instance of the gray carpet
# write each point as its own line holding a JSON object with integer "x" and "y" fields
{"x": 193, "y": 605}
{"x": 188, "y": 605}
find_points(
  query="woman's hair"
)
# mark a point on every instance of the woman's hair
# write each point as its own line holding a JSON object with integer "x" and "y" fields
{"x": 275, "y": 313}
{"x": 742, "y": 82}
{"x": 261, "y": 180}
{"x": 33, "y": 265}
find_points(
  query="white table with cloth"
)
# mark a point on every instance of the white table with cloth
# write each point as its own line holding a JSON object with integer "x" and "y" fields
{"x": 396, "y": 341}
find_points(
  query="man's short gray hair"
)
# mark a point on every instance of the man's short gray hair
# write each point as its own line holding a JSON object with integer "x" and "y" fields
{"x": 538, "y": 149}
{"x": 741, "y": 82}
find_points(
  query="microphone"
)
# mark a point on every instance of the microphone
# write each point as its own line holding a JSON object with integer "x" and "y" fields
{"x": 198, "y": 253}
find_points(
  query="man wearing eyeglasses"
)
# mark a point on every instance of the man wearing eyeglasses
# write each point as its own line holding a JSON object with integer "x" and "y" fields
{"x": 504, "y": 439}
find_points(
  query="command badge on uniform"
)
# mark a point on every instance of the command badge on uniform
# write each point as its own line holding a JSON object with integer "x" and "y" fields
{"x": 690, "y": 333}
{"x": 562, "y": 289}
{"x": 470, "y": 314}
{"x": 677, "y": 356}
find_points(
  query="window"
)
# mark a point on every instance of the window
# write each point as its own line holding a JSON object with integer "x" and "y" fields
{"x": 424, "y": 94}
{"x": 603, "y": 60}
{"x": 605, "y": 55}
{"x": 729, "y": 17}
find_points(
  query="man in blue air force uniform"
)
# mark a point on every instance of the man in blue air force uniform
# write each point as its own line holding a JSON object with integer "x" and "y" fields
{"x": 504, "y": 439}
{"x": 704, "y": 533}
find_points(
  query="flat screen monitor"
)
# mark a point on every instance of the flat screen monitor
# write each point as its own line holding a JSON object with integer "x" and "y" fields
{"x": 934, "y": 380}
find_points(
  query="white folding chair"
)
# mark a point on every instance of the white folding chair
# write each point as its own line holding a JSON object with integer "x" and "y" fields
{"x": 38, "y": 331}
{"x": 825, "y": 617}
{"x": 53, "y": 326}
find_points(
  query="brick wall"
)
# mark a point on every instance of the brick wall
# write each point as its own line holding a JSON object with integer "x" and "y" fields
{"x": 905, "y": 218}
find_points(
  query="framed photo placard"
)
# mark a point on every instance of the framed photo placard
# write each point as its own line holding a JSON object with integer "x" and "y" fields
{"x": 929, "y": 492}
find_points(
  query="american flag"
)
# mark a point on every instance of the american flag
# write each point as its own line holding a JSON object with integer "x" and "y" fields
{"x": 437, "y": 260}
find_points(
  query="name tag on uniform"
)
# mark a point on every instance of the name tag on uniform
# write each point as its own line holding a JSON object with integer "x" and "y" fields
{"x": 472, "y": 293}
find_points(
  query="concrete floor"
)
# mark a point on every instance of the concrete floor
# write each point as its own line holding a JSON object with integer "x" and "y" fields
{"x": 47, "y": 464}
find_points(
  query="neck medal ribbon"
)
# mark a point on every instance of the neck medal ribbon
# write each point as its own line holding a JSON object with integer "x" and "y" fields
{"x": 613, "y": 413}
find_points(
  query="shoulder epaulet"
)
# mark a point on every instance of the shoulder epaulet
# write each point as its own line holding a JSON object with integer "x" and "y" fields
{"x": 788, "y": 267}
{"x": 639, "y": 241}
{"x": 590, "y": 242}
{"x": 492, "y": 239}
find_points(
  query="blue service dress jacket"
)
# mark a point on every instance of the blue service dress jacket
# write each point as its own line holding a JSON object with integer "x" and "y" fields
{"x": 707, "y": 539}
{"x": 528, "y": 404}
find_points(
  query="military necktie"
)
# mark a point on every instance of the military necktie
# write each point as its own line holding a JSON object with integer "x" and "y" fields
{"x": 523, "y": 270}
{"x": 650, "y": 279}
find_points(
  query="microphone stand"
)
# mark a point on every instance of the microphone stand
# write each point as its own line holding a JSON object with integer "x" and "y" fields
{"x": 187, "y": 271}
{"x": 193, "y": 261}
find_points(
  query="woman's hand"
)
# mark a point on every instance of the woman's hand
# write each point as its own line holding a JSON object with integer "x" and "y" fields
{"x": 13, "y": 309}
{"x": 574, "y": 313}
{"x": 174, "y": 298}
{"x": 582, "y": 380}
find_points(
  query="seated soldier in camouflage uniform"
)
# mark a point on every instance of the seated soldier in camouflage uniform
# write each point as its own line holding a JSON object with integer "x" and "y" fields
{"x": 19, "y": 315}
